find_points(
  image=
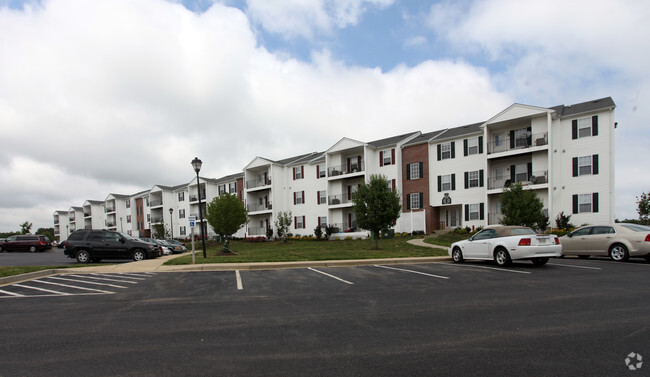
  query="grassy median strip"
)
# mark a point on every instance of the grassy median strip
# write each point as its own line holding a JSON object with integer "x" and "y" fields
{"x": 17, "y": 270}
{"x": 308, "y": 250}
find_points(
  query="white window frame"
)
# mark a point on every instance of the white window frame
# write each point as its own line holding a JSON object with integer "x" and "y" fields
{"x": 299, "y": 223}
{"x": 232, "y": 187}
{"x": 473, "y": 179}
{"x": 299, "y": 198}
{"x": 322, "y": 171}
{"x": 584, "y": 127}
{"x": 181, "y": 213}
{"x": 183, "y": 231}
{"x": 388, "y": 157}
{"x": 323, "y": 196}
{"x": 181, "y": 196}
{"x": 474, "y": 212}
{"x": 585, "y": 165}
{"x": 472, "y": 146}
{"x": 445, "y": 151}
{"x": 415, "y": 170}
{"x": 445, "y": 182}
{"x": 521, "y": 173}
{"x": 415, "y": 201}
{"x": 585, "y": 203}
{"x": 521, "y": 137}
{"x": 323, "y": 221}
{"x": 297, "y": 172}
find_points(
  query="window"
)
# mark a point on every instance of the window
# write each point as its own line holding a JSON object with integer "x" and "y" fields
{"x": 584, "y": 127}
{"x": 472, "y": 146}
{"x": 322, "y": 197}
{"x": 446, "y": 183}
{"x": 474, "y": 213}
{"x": 298, "y": 197}
{"x": 414, "y": 170}
{"x": 221, "y": 189}
{"x": 415, "y": 201}
{"x": 300, "y": 222}
{"x": 181, "y": 196}
{"x": 585, "y": 165}
{"x": 322, "y": 221}
{"x": 183, "y": 230}
{"x": 585, "y": 203}
{"x": 445, "y": 151}
{"x": 473, "y": 178}
{"x": 521, "y": 137}
{"x": 498, "y": 140}
{"x": 320, "y": 171}
{"x": 128, "y": 219}
{"x": 232, "y": 187}
{"x": 386, "y": 157}
{"x": 298, "y": 172}
{"x": 138, "y": 211}
{"x": 181, "y": 213}
{"x": 521, "y": 173}
{"x": 148, "y": 217}
{"x": 147, "y": 200}
{"x": 128, "y": 203}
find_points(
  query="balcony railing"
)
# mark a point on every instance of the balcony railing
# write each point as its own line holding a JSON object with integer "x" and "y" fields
{"x": 156, "y": 220}
{"x": 155, "y": 203}
{"x": 109, "y": 209}
{"x": 256, "y": 231}
{"x": 195, "y": 198}
{"x": 259, "y": 207}
{"x": 258, "y": 183}
{"x": 345, "y": 227}
{"x": 355, "y": 167}
{"x": 338, "y": 199}
{"x": 87, "y": 214}
{"x": 110, "y": 224}
{"x": 507, "y": 144}
{"x": 536, "y": 178}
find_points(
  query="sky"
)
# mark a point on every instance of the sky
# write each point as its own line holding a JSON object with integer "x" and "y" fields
{"x": 116, "y": 96}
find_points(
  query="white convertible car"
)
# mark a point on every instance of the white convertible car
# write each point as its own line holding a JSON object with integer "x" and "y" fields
{"x": 503, "y": 244}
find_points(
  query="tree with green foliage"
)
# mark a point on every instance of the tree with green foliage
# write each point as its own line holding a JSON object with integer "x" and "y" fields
{"x": 562, "y": 221}
{"x": 161, "y": 232}
{"x": 49, "y": 232}
{"x": 25, "y": 227}
{"x": 282, "y": 224}
{"x": 226, "y": 214}
{"x": 376, "y": 206}
{"x": 643, "y": 208}
{"x": 522, "y": 207}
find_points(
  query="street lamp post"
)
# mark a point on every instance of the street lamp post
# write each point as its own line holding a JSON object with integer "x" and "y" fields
{"x": 196, "y": 164}
{"x": 171, "y": 220}
{"x": 121, "y": 227}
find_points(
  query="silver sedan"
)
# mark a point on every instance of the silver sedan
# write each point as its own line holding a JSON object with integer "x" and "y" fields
{"x": 618, "y": 241}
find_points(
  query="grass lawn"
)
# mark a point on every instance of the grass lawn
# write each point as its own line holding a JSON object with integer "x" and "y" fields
{"x": 306, "y": 250}
{"x": 447, "y": 239}
{"x": 10, "y": 271}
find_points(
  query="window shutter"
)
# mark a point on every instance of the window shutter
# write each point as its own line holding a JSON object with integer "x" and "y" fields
{"x": 304, "y": 199}
{"x": 421, "y": 169}
{"x": 594, "y": 202}
{"x": 408, "y": 172}
{"x": 348, "y": 165}
{"x": 294, "y": 198}
{"x": 392, "y": 156}
{"x": 480, "y": 144}
{"x": 317, "y": 197}
{"x": 464, "y": 147}
{"x": 381, "y": 158}
{"x": 295, "y": 222}
{"x": 530, "y": 170}
{"x": 575, "y": 166}
{"x": 453, "y": 149}
{"x": 512, "y": 174}
{"x": 574, "y": 129}
{"x": 421, "y": 200}
{"x": 594, "y": 125}
{"x": 453, "y": 182}
{"x": 304, "y": 222}
{"x": 512, "y": 139}
{"x": 466, "y": 212}
{"x": 575, "y": 204}
{"x": 319, "y": 223}
{"x": 317, "y": 171}
{"x": 594, "y": 164}
{"x": 439, "y": 152}
{"x": 302, "y": 171}
{"x": 482, "y": 211}
{"x": 529, "y": 136}
{"x": 393, "y": 184}
{"x": 466, "y": 180}
{"x": 408, "y": 201}
{"x": 294, "y": 173}
{"x": 480, "y": 178}
{"x": 439, "y": 183}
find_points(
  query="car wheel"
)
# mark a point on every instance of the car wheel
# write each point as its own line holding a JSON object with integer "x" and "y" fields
{"x": 539, "y": 261}
{"x": 138, "y": 255}
{"x": 583, "y": 256}
{"x": 618, "y": 253}
{"x": 457, "y": 255}
{"x": 83, "y": 256}
{"x": 501, "y": 257}
{"x": 32, "y": 249}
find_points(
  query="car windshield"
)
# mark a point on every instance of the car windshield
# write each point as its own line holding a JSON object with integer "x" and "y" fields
{"x": 518, "y": 231}
{"x": 127, "y": 236}
{"x": 636, "y": 227}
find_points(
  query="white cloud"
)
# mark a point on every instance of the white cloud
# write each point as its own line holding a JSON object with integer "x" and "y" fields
{"x": 100, "y": 109}
{"x": 305, "y": 18}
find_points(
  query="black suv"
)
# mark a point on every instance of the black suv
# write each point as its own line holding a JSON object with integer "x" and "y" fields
{"x": 94, "y": 245}
{"x": 27, "y": 242}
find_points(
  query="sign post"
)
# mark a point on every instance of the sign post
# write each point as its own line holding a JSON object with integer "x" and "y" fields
{"x": 192, "y": 224}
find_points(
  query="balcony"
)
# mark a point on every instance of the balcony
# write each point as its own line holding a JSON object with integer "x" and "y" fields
{"x": 259, "y": 207}
{"x": 334, "y": 200}
{"x": 155, "y": 203}
{"x": 110, "y": 224}
{"x": 195, "y": 198}
{"x": 109, "y": 209}
{"x": 536, "y": 178}
{"x": 260, "y": 182}
{"x": 156, "y": 220}
{"x": 344, "y": 227}
{"x": 336, "y": 171}
{"x": 256, "y": 231}
{"x": 87, "y": 214}
{"x": 508, "y": 144}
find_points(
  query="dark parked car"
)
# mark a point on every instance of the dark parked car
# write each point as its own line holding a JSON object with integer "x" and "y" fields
{"x": 94, "y": 245}
{"x": 27, "y": 242}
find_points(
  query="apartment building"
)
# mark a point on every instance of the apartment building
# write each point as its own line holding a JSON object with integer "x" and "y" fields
{"x": 447, "y": 178}
{"x": 75, "y": 220}
{"x": 61, "y": 225}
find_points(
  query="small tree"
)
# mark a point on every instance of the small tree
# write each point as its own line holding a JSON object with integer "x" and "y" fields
{"x": 269, "y": 233}
{"x": 643, "y": 208}
{"x": 562, "y": 221}
{"x": 161, "y": 232}
{"x": 329, "y": 229}
{"x": 376, "y": 206}
{"x": 522, "y": 207}
{"x": 49, "y": 232}
{"x": 226, "y": 214}
{"x": 282, "y": 224}
{"x": 318, "y": 232}
{"x": 25, "y": 227}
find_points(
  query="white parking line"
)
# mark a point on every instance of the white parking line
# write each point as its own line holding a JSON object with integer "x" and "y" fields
{"x": 121, "y": 276}
{"x": 411, "y": 271}
{"x": 488, "y": 268}
{"x": 86, "y": 282}
{"x": 11, "y": 293}
{"x": 240, "y": 286}
{"x": 42, "y": 289}
{"x": 574, "y": 266}
{"x": 103, "y": 279}
{"x": 70, "y": 286}
{"x": 332, "y": 276}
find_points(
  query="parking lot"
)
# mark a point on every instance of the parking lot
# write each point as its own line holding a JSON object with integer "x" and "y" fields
{"x": 569, "y": 317}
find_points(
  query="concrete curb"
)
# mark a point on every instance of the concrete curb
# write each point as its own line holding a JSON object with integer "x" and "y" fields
{"x": 27, "y": 276}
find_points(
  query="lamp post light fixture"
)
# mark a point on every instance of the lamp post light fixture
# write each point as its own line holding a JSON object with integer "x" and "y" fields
{"x": 121, "y": 226}
{"x": 196, "y": 164}
{"x": 171, "y": 221}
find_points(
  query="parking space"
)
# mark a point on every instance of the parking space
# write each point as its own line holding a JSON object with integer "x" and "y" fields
{"x": 73, "y": 285}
